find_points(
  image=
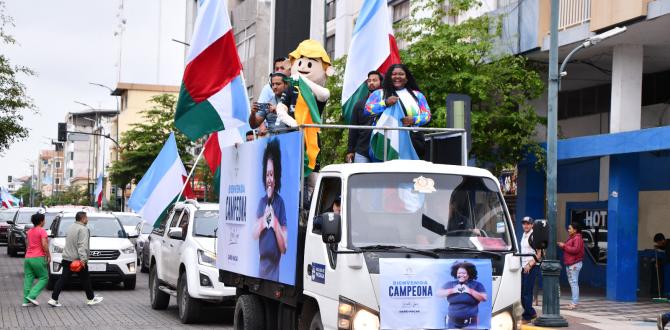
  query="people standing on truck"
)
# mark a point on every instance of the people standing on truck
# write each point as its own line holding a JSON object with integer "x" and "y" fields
{"x": 264, "y": 114}
{"x": 36, "y": 260}
{"x": 464, "y": 295}
{"x": 358, "y": 150}
{"x": 530, "y": 270}
{"x": 573, "y": 253}
{"x": 399, "y": 85}
{"x": 271, "y": 230}
{"x": 76, "y": 248}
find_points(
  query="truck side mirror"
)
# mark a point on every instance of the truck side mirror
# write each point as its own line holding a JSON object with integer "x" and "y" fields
{"x": 331, "y": 230}
{"x": 10, "y": 222}
{"x": 176, "y": 233}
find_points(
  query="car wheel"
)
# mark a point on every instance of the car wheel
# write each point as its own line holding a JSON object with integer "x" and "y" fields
{"x": 248, "y": 309}
{"x": 189, "y": 308}
{"x": 158, "y": 298}
{"x": 144, "y": 268}
{"x": 11, "y": 250}
{"x": 129, "y": 284}
{"x": 316, "y": 322}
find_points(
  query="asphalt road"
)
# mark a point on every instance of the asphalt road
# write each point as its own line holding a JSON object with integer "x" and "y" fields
{"x": 121, "y": 309}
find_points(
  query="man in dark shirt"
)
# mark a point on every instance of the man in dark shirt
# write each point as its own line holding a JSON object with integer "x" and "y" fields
{"x": 359, "y": 139}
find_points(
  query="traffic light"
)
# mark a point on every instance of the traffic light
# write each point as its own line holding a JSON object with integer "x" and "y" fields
{"x": 62, "y": 132}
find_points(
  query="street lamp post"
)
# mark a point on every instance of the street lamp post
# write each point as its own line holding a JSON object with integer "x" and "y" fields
{"x": 551, "y": 267}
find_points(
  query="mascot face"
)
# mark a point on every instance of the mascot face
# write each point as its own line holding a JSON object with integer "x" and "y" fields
{"x": 310, "y": 68}
{"x": 311, "y": 61}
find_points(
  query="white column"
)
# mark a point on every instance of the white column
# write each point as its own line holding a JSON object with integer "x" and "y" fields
{"x": 344, "y": 27}
{"x": 626, "y": 108}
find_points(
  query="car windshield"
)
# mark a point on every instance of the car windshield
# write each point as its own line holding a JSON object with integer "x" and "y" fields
{"x": 24, "y": 217}
{"x": 99, "y": 227}
{"x": 49, "y": 219}
{"x": 7, "y": 215}
{"x": 427, "y": 211}
{"x": 129, "y": 220}
{"x": 206, "y": 223}
{"x": 147, "y": 228}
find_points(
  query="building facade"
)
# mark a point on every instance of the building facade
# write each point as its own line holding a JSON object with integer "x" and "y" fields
{"x": 50, "y": 172}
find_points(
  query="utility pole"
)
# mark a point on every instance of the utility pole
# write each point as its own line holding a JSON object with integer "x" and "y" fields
{"x": 32, "y": 182}
{"x": 551, "y": 268}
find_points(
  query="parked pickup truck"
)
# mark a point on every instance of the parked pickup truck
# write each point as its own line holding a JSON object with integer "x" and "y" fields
{"x": 183, "y": 260}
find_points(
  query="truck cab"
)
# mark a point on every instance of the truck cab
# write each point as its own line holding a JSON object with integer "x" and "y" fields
{"x": 403, "y": 209}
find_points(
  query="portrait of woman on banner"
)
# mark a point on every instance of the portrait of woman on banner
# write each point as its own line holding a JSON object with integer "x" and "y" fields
{"x": 271, "y": 227}
{"x": 463, "y": 295}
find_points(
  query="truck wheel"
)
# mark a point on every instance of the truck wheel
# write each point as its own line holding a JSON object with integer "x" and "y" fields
{"x": 159, "y": 299}
{"x": 189, "y": 308}
{"x": 247, "y": 311}
{"x": 316, "y": 322}
{"x": 129, "y": 284}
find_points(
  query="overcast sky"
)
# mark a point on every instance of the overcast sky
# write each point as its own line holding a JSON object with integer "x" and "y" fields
{"x": 71, "y": 43}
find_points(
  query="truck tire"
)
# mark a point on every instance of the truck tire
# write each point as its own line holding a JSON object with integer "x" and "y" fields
{"x": 316, "y": 322}
{"x": 129, "y": 284}
{"x": 189, "y": 308}
{"x": 159, "y": 299}
{"x": 249, "y": 313}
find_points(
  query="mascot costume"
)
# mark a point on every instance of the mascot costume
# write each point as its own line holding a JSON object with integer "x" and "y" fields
{"x": 310, "y": 68}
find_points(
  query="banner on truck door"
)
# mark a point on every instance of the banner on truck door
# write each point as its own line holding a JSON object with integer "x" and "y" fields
{"x": 435, "y": 294}
{"x": 258, "y": 221}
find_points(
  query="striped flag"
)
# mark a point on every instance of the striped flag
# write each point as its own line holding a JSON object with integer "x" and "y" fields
{"x": 307, "y": 112}
{"x": 6, "y": 199}
{"x": 101, "y": 168}
{"x": 213, "y": 96}
{"x": 161, "y": 184}
{"x": 398, "y": 143}
{"x": 373, "y": 47}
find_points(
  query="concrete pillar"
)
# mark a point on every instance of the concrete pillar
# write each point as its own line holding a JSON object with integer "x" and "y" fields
{"x": 622, "y": 218}
{"x": 625, "y": 114}
{"x": 530, "y": 194}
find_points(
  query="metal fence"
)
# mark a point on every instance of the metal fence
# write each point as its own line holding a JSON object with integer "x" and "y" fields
{"x": 573, "y": 13}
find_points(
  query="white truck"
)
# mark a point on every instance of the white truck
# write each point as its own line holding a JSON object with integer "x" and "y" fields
{"x": 402, "y": 210}
{"x": 182, "y": 260}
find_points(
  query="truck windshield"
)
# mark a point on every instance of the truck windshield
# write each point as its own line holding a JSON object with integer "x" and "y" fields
{"x": 98, "y": 227}
{"x": 206, "y": 223}
{"x": 427, "y": 211}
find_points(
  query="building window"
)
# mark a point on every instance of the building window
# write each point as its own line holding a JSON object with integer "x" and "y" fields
{"x": 70, "y": 172}
{"x": 246, "y": 42}
{"x": 250, "y": 93}
{"x": 71, "y": 155}
{"x": 45, "y": 162}
{"x": 331, "y": 11}
{"x": 330, "y": 46}
{"x": 57, "y": 181}
{"x": 57, "y": 164}
{"x": 400, "y": 11}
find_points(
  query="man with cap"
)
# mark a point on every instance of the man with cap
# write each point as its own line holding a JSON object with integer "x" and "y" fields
{"x": 530, "y": 270}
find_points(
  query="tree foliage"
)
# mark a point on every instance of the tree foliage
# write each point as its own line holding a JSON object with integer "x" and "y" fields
{"x": 447, "y": 58}
{"x": 462, "y": 58}
{"x": 141, "y": 144}
{"x": 14, "y": 100}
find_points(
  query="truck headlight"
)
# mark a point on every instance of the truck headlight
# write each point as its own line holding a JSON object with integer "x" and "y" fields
{"x": 128, "y": 250}
{"x": 206, "y": 258}
{"x": 352, "y": 315}
{"x": 57, "y": 249}
{"x": 502, "y": 321}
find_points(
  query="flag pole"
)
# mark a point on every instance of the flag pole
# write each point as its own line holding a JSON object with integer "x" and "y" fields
{"x": 195, "y": 164}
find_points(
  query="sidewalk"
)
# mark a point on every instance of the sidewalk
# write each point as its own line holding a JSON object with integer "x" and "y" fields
{"x": 594, "y": 312}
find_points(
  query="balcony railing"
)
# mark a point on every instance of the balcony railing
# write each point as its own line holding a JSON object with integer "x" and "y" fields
{"x": 573, "y": 13}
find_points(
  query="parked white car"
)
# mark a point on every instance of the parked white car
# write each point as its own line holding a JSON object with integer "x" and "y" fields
{"x": 112, "y": 256}
{"x": 129, "y": 221}
{"x": 183, "y": 260}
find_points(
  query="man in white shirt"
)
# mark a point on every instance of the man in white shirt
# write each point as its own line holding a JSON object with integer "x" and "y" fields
{"x": 530, "y": 271}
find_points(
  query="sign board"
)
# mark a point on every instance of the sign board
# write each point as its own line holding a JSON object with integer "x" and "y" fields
{"x": 435, "y": 294}
{"x": 258, "y": 218}
{"x": 77, "y": 137}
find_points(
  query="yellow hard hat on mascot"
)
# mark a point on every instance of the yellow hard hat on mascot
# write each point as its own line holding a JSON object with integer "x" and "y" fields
{"x": 310, "y": 60}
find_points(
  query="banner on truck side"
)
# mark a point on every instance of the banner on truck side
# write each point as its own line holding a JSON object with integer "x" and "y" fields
{"x": 258, "y": 218}
{"x": 435, "y": 294}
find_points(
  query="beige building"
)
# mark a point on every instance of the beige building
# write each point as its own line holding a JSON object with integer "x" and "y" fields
{"x": 50, "y": 172}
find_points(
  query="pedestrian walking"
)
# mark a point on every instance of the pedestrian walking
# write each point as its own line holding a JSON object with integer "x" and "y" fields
{"x": 76, "y": 248}
{"x": 530, "y": 270}
{"x": 36, "y": 260}
{"x": 573, "y": 254}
